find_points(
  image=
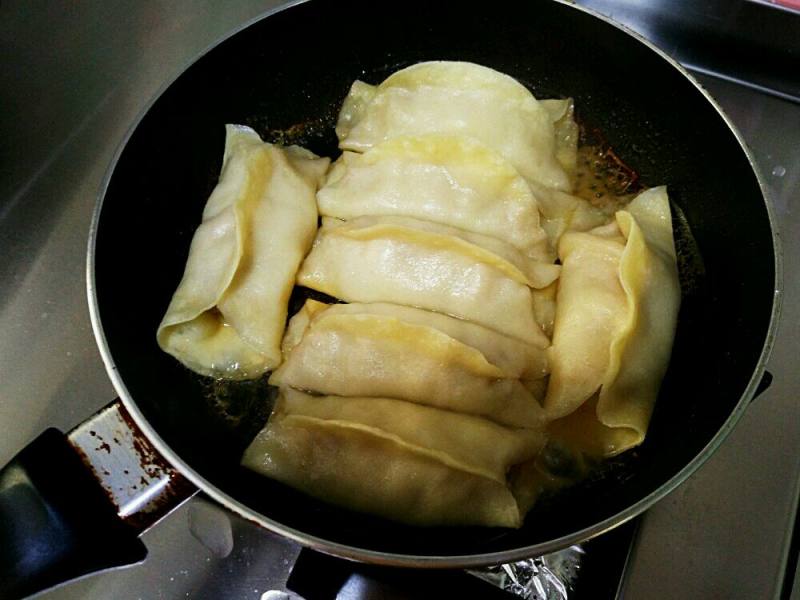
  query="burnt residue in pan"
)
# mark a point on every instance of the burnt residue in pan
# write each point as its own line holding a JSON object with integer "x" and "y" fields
{"x": 602, "y": 177}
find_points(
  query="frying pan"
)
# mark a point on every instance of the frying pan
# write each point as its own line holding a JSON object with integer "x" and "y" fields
{"x": 285, "y": 75}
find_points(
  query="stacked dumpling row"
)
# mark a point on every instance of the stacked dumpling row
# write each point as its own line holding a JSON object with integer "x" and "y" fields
{"x": 433, "y": 238}
{"x": 429, "y": 395}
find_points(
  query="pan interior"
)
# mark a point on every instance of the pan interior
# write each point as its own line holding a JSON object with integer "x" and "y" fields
{"x": 286, "y": 77}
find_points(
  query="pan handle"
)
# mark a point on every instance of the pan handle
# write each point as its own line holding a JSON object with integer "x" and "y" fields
{"x": 76, "y": 504}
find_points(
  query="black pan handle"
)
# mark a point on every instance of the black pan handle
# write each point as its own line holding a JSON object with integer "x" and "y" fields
{"x": 66, "y": 511}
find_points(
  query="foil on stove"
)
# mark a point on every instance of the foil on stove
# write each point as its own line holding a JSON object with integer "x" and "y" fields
{"x": 548, "y": 577}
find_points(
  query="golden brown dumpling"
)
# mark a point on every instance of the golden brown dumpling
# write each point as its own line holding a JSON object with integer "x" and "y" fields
{"x": 364, "y": 350}
{"x": 376, "y": 261}
{"x": 446, "y": 179}
{"x": 460, "y": 98}
{"x": 616, "y": 313}
{"x": 425, "y": 466}
{"x": 228, "y": 314}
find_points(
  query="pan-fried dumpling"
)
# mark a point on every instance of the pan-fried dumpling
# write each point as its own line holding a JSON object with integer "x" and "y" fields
{"x": 386, "y": 262}
{"x": 463, "y": 99}
{"x": 426, "y": 466}
{"x": 567, "y": 132}
{"x": 544, "y": 307}
{"x": 507, "y": 258}
{"x": 227, "y": 316}
{"x": 358, "y": 350}
{"x": 452, "y": 180}
{"x": 515, "y": 358}
{"x": 616, "y": 312}
{"x": 562, "y": 212}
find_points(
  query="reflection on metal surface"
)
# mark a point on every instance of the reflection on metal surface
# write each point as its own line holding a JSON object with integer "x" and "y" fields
{"x": 211, "y": 526}
{"x": 750, "y": 43}
{"x": 279, "y": 595}
{"x": 549, "y": 577}
{"x": 142, "y": 485}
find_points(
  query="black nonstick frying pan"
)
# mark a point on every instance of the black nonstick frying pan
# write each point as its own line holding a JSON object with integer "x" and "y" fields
{"x": 285, "y": 75}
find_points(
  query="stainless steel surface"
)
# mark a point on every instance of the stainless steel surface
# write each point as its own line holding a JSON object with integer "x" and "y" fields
{"x": 73, "y": 78}
{"x": 143, "y": 486}
{"x": 726, "y": 530}
{"x": 754, "y": 44}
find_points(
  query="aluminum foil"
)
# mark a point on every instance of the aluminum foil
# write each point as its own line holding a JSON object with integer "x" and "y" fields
{"x": 548, "y": 577}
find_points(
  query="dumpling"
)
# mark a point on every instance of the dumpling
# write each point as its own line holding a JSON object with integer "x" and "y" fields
{"x": 359, "y": 350}
{"x": 227, "y": 317}
{"x": 616, "y": 313}
{"x": 388, "y": 262}
{"x": 534, "y": 273}
{"x": 452, "y": 180}
{"x": 426, "y": 466}
{"x": 544, "y": 307}
{"x": 567, "y": 132}
{"x": 590, "y": 307}
{"x": 516, "y": 359}
{"x": 562, "y": 212}
{"x": 458, "y": 98}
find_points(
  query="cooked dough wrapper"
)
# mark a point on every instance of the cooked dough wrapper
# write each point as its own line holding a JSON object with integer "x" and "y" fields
{"x": 489, "y": 250}
{"x": 414, "y": 267}
{"x": 567, "y": 132}
{"x": 426, "y": 466}
{"x": 451, "y": 180}
{"x": 515, "y": 358}
{"x": 355, "y": 352}
{"x": 544, "y": 307}
{"x": 227, "y": 316}
{"x": 562, "y": 212}
{"x": 616, "y": 313}
{"x": 590, "y": 308}
{"x": 458, "y": 98}
{"x": 582, "y": 432}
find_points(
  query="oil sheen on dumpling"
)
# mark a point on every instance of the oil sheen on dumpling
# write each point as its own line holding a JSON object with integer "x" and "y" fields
{"x": 426, "y": 466}
{"x": 458, "y": 98}
{"x": 616, "y": 312}
{"x": 388, "y": 262}
{"x": 447, "y": 179}
{"x": 359, "y": 350}
{"x": 227, "y": 317}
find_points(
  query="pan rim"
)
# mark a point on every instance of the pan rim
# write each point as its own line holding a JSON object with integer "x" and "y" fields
{"x": 441, "y": 561}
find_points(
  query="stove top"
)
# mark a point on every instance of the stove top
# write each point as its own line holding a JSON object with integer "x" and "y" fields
{"x": 69, "y": 91}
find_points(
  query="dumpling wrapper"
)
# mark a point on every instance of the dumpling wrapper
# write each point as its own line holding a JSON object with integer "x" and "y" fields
{"x": 517, "y": 359}
{"x": 544, "y": 307}
{"x": 227, "y": 317}
{"x": 363, "y": 353}
{"x": 414, "y": 267}
{"x": 562, "y": 212}
{"x": 582, "y": 432}
{"x": 451, "y": 180}
{"x": 567, "y": 133}
{"x": 534, "y": 273}
{"x": 616, "y": 313}
{"x": 458, "y": 98}
{"x": 396, "y": 459}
